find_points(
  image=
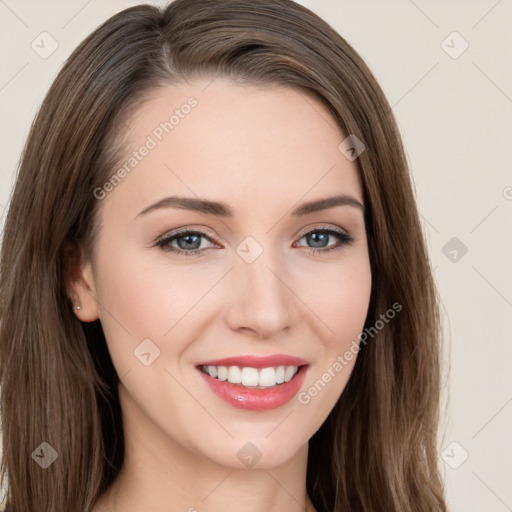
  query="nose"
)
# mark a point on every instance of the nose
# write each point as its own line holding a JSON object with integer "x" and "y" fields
{"x": 261, "y": 303}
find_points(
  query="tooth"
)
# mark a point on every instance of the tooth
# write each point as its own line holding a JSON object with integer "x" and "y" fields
{"x": 252, "y": 377}
{"x": 267, "y": 377}
{"x": 289, "y": 372}
{"x": 280, "y": 375}
{"x": 234, "y": 375}
{"x": 222, "y": 373}
{"x": 249, "y": 376}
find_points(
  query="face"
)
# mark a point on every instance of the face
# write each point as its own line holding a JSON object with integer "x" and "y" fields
{"x": 209, "y": 261}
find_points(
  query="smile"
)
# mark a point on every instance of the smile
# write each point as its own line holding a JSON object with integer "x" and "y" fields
{"x": 255, "y": 383}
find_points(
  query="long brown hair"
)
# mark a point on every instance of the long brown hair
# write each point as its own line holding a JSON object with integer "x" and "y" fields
{"x": 377, "y": 450}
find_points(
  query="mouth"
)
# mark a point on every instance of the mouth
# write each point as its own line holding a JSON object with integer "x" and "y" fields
{"x": 255, "y": 383}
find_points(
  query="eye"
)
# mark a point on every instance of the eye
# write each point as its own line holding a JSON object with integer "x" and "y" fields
{"x": 319, "y": 237}
{"x": 190, "y": 243}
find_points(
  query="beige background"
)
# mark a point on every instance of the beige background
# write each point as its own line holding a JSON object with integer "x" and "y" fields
{"x": 455, "y": 116}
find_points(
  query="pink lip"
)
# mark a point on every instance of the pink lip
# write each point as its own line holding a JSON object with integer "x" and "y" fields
{"x": 255, "y": 399}
{"x": 257, "y": 361}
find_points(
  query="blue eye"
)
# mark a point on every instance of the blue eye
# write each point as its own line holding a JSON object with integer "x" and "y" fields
{"x": 320, "y": 237}
{"x": 189, "y": 242}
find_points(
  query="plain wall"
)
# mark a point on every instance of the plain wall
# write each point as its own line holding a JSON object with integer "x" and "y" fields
{"x": 454, "y": 113}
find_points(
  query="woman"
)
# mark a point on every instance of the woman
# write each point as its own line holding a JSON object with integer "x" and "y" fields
{"x": 215, "y": 288}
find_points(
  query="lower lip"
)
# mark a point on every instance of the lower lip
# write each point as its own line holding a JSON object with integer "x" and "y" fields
{"x": 254, "y": 399}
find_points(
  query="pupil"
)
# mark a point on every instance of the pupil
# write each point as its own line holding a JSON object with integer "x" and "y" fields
{"x": 187, "y": 243}
{"x": 314, "y": 237}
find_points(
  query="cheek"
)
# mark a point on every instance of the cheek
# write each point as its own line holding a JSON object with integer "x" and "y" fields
{"x": 142, "y": 297}
{"x": 340, "y": 301}
{"x": 145, "y": 297}
{"x": 130, "y": 302}
{"x": 339, "y": 296}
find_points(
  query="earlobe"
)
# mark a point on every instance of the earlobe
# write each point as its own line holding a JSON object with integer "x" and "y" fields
{"x": 86, "y": 308}
{"x": 80, "y": 285}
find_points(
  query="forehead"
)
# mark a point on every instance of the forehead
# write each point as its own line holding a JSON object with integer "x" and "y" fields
{"x": 247, "y": 145}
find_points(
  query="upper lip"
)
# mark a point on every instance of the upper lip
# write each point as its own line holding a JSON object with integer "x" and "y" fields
{"x": 256, "y": 361}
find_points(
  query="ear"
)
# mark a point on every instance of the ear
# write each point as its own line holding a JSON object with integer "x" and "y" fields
{"x": 79, "y": 281}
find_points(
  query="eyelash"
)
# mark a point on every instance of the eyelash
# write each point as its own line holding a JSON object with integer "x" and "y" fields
{"x": 343, "y": 240}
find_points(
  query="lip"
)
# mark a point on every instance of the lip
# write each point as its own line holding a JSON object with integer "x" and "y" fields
{"x": 257, "y": 361}
{"x": 255, "y": 399}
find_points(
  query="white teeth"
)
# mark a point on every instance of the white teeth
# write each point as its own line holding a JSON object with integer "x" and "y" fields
{"x": 222, "y": 372}
{"x": 252, "y": 377}
{"x": 267, "y": 377}
{"x": 289, "y": 373}
{"x": 234, "y": 375}
{"x": 249, "y": 377}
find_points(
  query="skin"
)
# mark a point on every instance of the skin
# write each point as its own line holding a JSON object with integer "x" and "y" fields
{"x": 264, "y": 151}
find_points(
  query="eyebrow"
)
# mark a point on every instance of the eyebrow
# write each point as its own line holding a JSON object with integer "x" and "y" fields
{"x": 224, "y": 210}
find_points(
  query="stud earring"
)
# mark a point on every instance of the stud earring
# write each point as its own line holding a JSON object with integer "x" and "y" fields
{"x": 79, "y": 308}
